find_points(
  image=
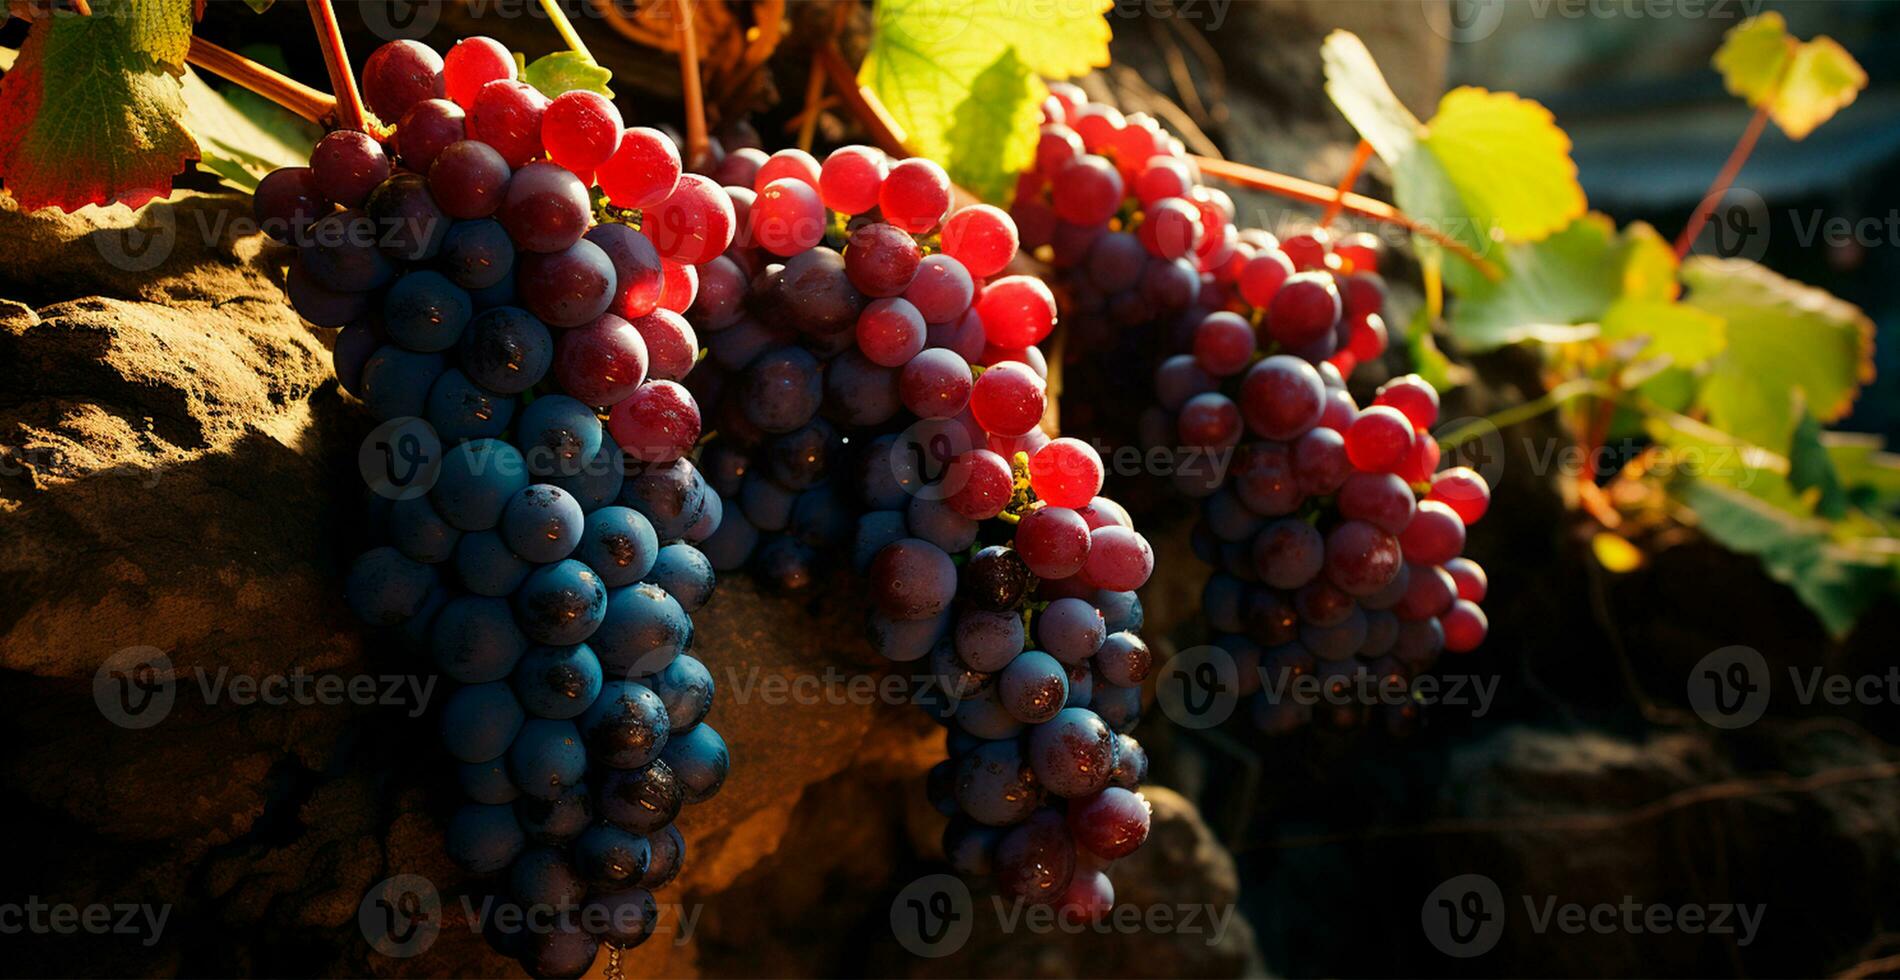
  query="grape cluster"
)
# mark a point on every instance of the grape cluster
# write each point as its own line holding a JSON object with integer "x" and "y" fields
{"x": 552, "y": 569}
{"x": 1335, "y": 537}
{"x": 879, "y": 396}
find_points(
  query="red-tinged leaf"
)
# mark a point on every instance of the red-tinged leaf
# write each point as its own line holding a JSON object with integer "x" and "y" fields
{"x": 92, "y": 112}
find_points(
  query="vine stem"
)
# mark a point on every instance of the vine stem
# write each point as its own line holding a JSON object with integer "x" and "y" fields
{"x": 349, "y": 103}
{"x": 285, "y": 91}
{"x": 1366, "y": 207}
{"x": 569, "y": 36}
{"x": 1551, "y": 400}
{"x": 863, "y": 104}
{"x": 1360, "y": 155}
{"x": 1731, "y": 169}
{"x": 696, "y": 141}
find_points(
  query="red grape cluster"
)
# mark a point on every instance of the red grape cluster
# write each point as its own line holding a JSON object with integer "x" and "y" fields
{"x": 551, "y": 569}
{"x": 879, "y": 394}
{"x": 1335, "y": 536}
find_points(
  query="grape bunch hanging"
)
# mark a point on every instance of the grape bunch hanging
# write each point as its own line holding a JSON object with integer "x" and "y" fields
{"x": 552, "y": 570}
{"x": 879, "y": 396}
{"x": 1335, "y": 538}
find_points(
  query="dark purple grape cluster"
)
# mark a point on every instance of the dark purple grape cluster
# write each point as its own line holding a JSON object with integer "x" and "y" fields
{"x": 879, "y": 396}
{"x": 1335, "y": 536}
{"x": 552, "y": 568}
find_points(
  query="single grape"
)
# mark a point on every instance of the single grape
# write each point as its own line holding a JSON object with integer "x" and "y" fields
{"x": 581, "y": 130}
{"x": 507, "y": 115}
{"x": 915, "y": 195}
{"x": 400, "y": 74}
{"x": 426, "y": 129}
{"x": 643, "y": 171}
{"x": 851, "y": 178}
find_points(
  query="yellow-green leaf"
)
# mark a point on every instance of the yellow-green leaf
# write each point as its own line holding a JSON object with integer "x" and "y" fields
{"x": 963, "y": 78}
{"x": 1685, "y": 335}
{"x": 1509, "y": 162}
{"x": 1802, "y": 83}
{"x": 1822, "y": 79}
{"x": 566, "y": 71}
{"x": 1490, "y": 167}
{"x": 1788, "y": 345}
{"x": 241, "y": 142}
{"x": 1752, "y": 57}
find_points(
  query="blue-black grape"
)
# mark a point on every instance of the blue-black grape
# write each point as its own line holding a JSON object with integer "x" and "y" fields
{"x": 485, "y": 566}
{"x": 396, "y": 382}
{"x": 477, "y": 254}
{"x": 699, "y": 758}
{"x": 561, "y": 603}
{"x": 610, "y": 857}
{"x": 475, "y": 639}
{"x": 559, "y": 820}
{"x": 618, "y": 543}
{"x": 386, "y": 587}
{"x": 420, "y": 533}
{"x": 641, "y": 632}
{"x": 484, "y": 839}
{"x": 506, "y": 350}
{"x": 557, "y": 435}
{"x": 547, "y": 757}
{"x": 626, "y": 726}
{"x": 542, "y": 523}
{"x": 686, "y": 687}
{"x": 642, "y": 801}
{"x": 480, "y": 721}
{"x": 487, "y": 782}
{"x": 996, "y": 786}
{"x": 1073, "y": 752}
{"x": 424, "y": 311}
{"x": 476, "y": 481}
{"x": 460, "y": 409}
{"x": 557, "y": 682}
{"x": 542, "y": 878}
{"x": 685, "y": 573}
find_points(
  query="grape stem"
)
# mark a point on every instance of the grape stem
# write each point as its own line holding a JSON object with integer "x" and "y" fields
{"x": 1731, "y": 169}
{"x": 1366, "y": 207}
{"x": 1551, "y": 400}
{"x": 862, "y": 103}
{"x": 1360, "y": 154}
{"x": 281, "y": 89}
{"x": 696, "y": 141}
{"x": 569, "y": 36}
{"x": 349, "y": 103}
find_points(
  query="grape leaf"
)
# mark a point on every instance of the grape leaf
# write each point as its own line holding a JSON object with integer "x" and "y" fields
{"x": 566, "y": 71}
{"x": 242, "y": 143}
{"x": 963, "y": 78}
{"x": 1787, "y": 343}
{"x": 1489, "y": 167}
{"x": 1552, "y": 291}
{"x": 1802, "y": 83}
{"x": 1688, "y": 337}
{"x": 1508, "y": 161}
{"x": 1837, "y": 580}
{"x": 1756, "y": 502}
{"x": 93, "y": 110}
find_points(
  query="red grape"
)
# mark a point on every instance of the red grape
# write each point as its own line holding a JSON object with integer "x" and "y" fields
{"x": 1066, "y": 473}
{"x": 643, "y": 170}
{"x": 915, "y": 195}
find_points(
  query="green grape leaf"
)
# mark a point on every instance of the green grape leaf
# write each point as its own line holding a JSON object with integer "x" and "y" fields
{"x": 1802, "y": 83}
{"x": 1489, "y": 167}
{"x": 1788, "y": 345}
{"x": 244, "y": 140}
{"x": 1552, "y": 291}
{"x": 1753, "y": 56}
{"x": 1822, "y": 80}
{"x": 1870, "y": 474}
{"x": 1812, "y": 472}
{"x": 1837, "y": 580}
{"x": 1755, "y": 502}
{"x": 1508, "y": 161}
{"x": 93, "y": 110}
{"x": 963, "y": 78}
{"x": 1685, "y": 335}
{"x": 567, "y": 71}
